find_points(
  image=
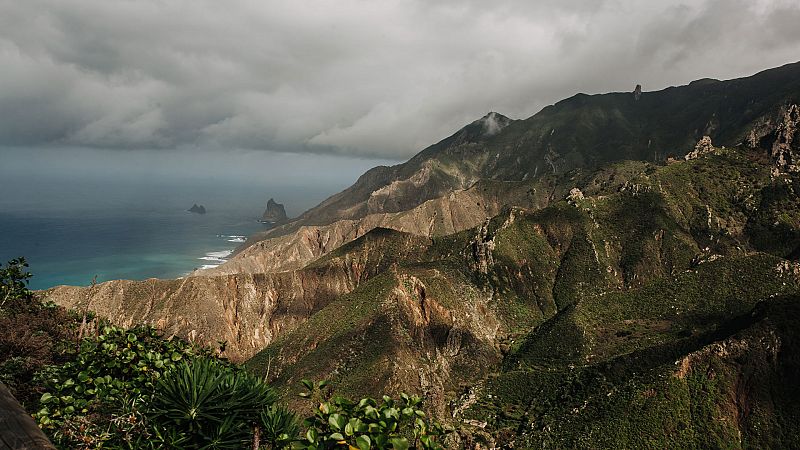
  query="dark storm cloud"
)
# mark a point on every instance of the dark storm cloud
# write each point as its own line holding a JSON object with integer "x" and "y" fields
{"x": 356, "y": 77}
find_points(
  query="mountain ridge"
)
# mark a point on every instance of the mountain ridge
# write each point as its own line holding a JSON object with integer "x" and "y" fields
{"x": 519, "y": 156}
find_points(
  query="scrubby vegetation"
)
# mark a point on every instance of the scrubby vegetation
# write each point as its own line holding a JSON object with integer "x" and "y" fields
{"x": 33, "y": 334}
{"x": 90, "y": 384}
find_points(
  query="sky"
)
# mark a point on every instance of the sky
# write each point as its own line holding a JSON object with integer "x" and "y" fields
{"x": 315, "y": 92}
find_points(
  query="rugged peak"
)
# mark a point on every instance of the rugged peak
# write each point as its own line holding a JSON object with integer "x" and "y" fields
{"x": 492, "y": 123}
{"x": 275, "y": 213}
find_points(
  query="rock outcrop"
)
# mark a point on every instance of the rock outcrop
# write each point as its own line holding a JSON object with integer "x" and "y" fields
{"x": 197, "y": 209}
{"x": 482, "y": 246}
{"x": 575, "y": 195}
{"x": 275, "y": 213}
{"x": 786, "y": 148}
{"x": 703, "y": 147}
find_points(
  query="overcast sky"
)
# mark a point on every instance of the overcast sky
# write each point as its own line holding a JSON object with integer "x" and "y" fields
{"x": 357, "y": 78}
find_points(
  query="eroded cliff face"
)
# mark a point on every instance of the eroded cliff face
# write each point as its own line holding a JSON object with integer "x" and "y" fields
{"x": 439, "y": 342}
{"x": 245, "y": 310}
{"x": 407, "y": 331}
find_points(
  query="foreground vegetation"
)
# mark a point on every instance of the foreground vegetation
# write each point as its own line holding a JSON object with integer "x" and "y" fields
{"x": 93, "y": 385}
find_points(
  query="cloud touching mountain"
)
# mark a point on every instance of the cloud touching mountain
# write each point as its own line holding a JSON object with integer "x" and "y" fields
{"x": 376, "y": 79}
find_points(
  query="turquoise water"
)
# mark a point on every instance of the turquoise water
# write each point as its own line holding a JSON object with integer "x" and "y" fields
{"x": 71, "y": 249}
{"x": 77, "y": 213}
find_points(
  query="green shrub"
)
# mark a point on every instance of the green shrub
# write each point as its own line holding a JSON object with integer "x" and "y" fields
{"x": 100, "y": 395}
{"x": 389, "y": 424}
{"x": 32, "y": 334}
{"x": 14, "y": 282}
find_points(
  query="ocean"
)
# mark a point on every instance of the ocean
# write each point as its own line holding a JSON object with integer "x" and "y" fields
{"x": 77, "y": 213}
{"x": 65, "y": 248}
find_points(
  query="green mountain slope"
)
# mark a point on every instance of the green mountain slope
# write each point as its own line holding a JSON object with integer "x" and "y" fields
{"x": 515, "y": 328}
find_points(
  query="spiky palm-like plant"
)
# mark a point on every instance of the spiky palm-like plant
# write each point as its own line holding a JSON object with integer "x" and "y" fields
{"x": 211, "y": 404}
{"x": 279, "y": 426}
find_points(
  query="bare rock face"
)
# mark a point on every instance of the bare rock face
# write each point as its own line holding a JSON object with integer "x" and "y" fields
{"x": 575, "y": 195}
{"x": 762, "y": 132}
{"x": 275, "y": 213}
{"x": 247, "y": 311}
{"x": 482, "y": 247}
{"x": 787, "y": 143}
{"x": 703, "y": 147}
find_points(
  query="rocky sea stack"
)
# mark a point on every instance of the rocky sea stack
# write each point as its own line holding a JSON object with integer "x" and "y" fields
{"x": 275, "y": 213}
{"x": 197, "y": 209}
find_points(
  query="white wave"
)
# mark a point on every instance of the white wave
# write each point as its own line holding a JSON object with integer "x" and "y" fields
{"x": 216, "y": 257}
{"x": 220, "y": 255}
{"x": 236, "y": 239}
{"x": 208, "y": 266}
